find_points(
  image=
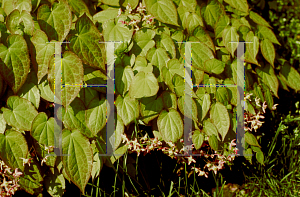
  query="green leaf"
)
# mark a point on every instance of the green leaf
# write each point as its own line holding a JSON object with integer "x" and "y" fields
{"x": 94, "y": 76}
{"x": 260, "y": 157}
{"x": 268, "y": 96}
{"x": 169, "y": 100}
{"x": 20, "y": 5}
{"x": 79, "y": 163}
{"x": 204, "y": 106}
{"x": 14, "y": 62}
{"x": 208, "y": 81}
{"x": 13, "y": 147}
{"x": 170, "y": 125}
{"x": 85, "y": 43}
{"x": 181, "y": 106}
{"x": 127, "y": 108}
{"x": 87, "y": 94}
{"x": 45, "y": 90}
{"x": 249, "y": 107}
{"x": 143, "y": 85}
{"x": 251, "y": 139}
{"x": 268, "y": 51}
{"x": 20, "y": 113}
{"x": 240, "y": 5}
{"x": 209, "y": 128}
{"x": 72, "y": 73}
{"x": 95, "y": 115}
{"x": 213, "y": 142}
{"x": 251, "y": 48}
{"x": 248, "y": 155}
{"x": 230, "y": 35}
{"x": 158, "y": 57}
{"x": 20, "y": 23}
{"x": 74, "y": 117}
{"x": 78, "y": 7}
{"x": 269, "y": 78}
{"x": 143, "y": 41}
{"x": 189, "y": 5}
{"x": 111, "y": 2}
{"x": 30, "y": 92}
{"x": 192, "y": 21}
{"x": 151, "y": 109}
{"x": 142, "y": 65}
{"x": 55, "y": 183}
{"x": 220, "y": 118}
{"x": 258, "y": 19}
{"x": 267, "y": 33}
{"x": 32, "y": 180}
{"x": 116, "y": 139}
{"x": 114, "y": 30}
{"x": 2, "y": 123}
{"x": 290, "y": 76}
{"x": 105, "y": 15}
{"x": 42, "y": 131}
{"x": 162, "y": 10}
{"x": 198, "y": 139}
{"x": 211, "y": 12}
{"x": 167, "y": 43}
{"x": 41, "y": 52}
{"x": 214, "y": 66}
{"x": 200, "y": 33}
{"x": 123, "y": 78}
{"x": 222, "y": 95}
{"x": 200, "y": 54}
{"x": 220, "y": 25}
{"x": 173, "y": 67}
{"x": 55, "y": 21}
{"x": 98, "y": 162}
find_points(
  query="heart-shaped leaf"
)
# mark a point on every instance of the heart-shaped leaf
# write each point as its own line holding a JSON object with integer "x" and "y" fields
{"x": 123, "y": 78}
{"x": 230, "y": 35}
{"x": 150, "y": 110}
{"x": 42, "y": 131}
{"x": 240, "y": 5}
{"x": 220, "y": 118}
{"x": 72, "y": 73}
{"x": 198, "y": 139}
{"x": 20, "y": 22}
{"x": 96, "y": 114}
{"x": 79, "y": 163}
{"x": 143, "y": 41}
{"x": 74, "y": 117}
{"x": 162, "y": 10}
{"x": 13, "y": 147}
{"x": 20, "y": 113}
{"x": 41, "y": 52}
{"x": 127, "y": 108}
{"x": 85, "y": 43}
{"x": 14, "y": 62}
{"x": 170, "y": 125}
{"x": 143, "y": 85}
{"x": 55, "y": 21}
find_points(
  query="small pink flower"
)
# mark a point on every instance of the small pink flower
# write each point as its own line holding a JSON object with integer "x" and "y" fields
{"x": 17, "y": 173}
{"x": 264, "y": 107}
{"x": 274, "y": 107}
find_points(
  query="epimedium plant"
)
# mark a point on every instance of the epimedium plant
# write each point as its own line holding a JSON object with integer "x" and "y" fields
{"x": 149, "y": 80}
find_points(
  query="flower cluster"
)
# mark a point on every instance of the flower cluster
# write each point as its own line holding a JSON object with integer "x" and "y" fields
{"x": 215, "y": 163}
{"x": 8, "y": 180}
{"x": 136, "y": 16}
{"x": 253, "y": 120}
